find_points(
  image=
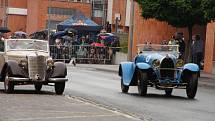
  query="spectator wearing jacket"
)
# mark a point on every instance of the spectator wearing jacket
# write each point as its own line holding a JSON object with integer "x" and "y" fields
{"x": 197, "y": 49}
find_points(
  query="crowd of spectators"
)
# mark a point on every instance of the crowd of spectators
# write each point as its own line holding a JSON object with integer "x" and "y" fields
{"x": 85, "y": 49}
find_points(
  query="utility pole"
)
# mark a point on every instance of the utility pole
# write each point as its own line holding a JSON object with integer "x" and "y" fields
{"x": 131, "y": 30}
{"x": 49, "y": 10}
{"x": 92, "y": 5}
{"x": 103, "y": 18}
{"x": 4, "y": 20}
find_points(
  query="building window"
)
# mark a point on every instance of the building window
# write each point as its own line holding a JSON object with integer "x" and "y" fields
{"x": 84, "y": 1}
{"x": 98, "y": 13}
{"x": 61, "y": 11}
{"x": 52, "y": 25}
{"x": 99, "y": 7}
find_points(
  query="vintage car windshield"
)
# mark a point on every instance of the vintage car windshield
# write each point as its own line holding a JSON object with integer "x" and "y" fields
{"x": 156, "y": 48}
{"x": 26, "y": 44}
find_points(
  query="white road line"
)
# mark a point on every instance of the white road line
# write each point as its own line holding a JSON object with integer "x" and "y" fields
{"x": 62, "y": 117}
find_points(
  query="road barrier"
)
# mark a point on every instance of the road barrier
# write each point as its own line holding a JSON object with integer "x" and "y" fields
{"x": 83, "y": 53}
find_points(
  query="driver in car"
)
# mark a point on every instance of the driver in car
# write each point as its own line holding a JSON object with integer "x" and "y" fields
{"x": 13, "y": 44}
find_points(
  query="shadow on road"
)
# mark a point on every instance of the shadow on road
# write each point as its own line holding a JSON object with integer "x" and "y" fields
{"x": 160, "y": 96}
{"x": 18, "y": 91}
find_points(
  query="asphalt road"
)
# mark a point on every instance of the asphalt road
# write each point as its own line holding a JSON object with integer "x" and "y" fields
{"x": 104, "y": 88}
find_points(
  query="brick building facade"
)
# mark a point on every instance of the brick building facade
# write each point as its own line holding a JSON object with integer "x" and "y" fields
{"x": 34, "y": 15}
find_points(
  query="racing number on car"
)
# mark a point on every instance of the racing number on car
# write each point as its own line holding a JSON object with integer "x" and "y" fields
{"x": 148, "y": 58}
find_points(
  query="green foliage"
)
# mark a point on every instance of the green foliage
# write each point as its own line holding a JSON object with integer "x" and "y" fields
{"x": 179, "y": 13}
{"x": 124, "y": 46}
{"x": 208, "y": 7}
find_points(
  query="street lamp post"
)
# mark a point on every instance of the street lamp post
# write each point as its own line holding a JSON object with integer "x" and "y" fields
{"x": 4, "y": 20}
{"x": 131, "y": 30}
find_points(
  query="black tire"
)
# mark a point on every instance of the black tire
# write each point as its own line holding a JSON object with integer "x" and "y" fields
{"x": 124, "y": 88}
{"x": 192, "y": 85}
{"x": 142, "y": 83}
{"x": 38, "y": 87}
{"x": 168, "y": 92}
{"x": 8, "y": 85}
{"x": 59, "y": 88}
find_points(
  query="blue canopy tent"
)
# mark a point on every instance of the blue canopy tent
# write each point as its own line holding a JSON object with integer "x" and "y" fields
{"x": 80, "y": 23}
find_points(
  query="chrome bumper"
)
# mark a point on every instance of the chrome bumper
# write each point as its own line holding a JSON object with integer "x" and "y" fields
{"x": 18, "y": 79}
{"x": 57, "y": 80}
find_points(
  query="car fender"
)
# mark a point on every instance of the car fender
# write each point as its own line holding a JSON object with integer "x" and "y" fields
{"x": 143, "y": 66}
{"x": 60, "y": 70}
{"x": 191, "y": 67}
{"x": 126, "y": 71}
{"x": 15, "y": 69}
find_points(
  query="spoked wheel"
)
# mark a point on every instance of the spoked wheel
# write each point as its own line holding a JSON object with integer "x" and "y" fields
{"x": 168, "y": 92}
{"x": 8, "y": 85}
{"x": 38, "y": 87}
{"x": 124, "y": 88}
{"x": 142, "y": 83}
{"x": 59, "y": 88}
{"x": 192, "y": 85}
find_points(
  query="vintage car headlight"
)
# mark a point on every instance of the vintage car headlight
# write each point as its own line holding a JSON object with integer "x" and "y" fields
{"x": 23, "y": 62}
{"x": 156, "y": 63}
{"x": 50, "y": 62}
{"x": 179, "y": 63}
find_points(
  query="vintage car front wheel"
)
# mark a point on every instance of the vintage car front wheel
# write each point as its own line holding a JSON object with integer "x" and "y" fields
{"x": 142, "y": 83}
{"x": 124, "y": 88}
{"x": 59, "y": 88}
{"x": 192, "y": 85}
{"x": 8, "y": 85}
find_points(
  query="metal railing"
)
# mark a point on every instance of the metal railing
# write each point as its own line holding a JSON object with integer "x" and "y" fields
{"x": 83, "y": 53}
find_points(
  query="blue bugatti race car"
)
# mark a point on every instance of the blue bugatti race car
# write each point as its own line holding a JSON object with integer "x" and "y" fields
{"x": 159, "y": 66}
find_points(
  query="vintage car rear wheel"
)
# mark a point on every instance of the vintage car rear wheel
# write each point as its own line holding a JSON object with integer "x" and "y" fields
{"x": 38, "y": 87}
{"x": 59, "y": 88}
{"x": 192, "y": 85}
{"x": 124, "y": 88}
{"x": 168, "y": 92}
{"x": 142, "y": 83}
{"x": 8, "y": 85}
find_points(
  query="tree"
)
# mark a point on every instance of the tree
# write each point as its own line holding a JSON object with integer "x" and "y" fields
{"x": 179, "y": 13}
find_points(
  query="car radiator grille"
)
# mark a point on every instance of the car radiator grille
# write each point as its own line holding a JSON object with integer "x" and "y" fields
{"x": 37, "y": 67}
{"x": 167, "y": 69}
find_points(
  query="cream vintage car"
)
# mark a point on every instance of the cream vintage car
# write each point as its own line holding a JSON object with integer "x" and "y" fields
{"x": 27, "y": 61}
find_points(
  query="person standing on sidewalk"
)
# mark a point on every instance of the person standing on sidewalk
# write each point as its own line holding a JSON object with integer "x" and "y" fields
{"x": 179, "y": 37}
{"x": 197, "y": 50}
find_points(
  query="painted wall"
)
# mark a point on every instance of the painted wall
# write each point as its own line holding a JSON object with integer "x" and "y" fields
{"x": 210, "y": 48}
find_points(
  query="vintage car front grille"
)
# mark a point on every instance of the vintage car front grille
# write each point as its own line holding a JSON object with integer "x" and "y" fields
{"x": 37, "y": 67}
{"x": 167, "y": 69}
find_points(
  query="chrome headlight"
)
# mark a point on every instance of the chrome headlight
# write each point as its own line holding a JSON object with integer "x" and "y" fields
{"x": 156, "y": 63}
{"x": 50, "y": 62}
{"x": 179, "y": 63}
{"x": 23, "y": 63}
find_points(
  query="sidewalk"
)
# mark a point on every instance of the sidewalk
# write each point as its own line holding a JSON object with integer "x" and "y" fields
{"x": 29, "y": 106}
{"x": 206, "y": 80}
